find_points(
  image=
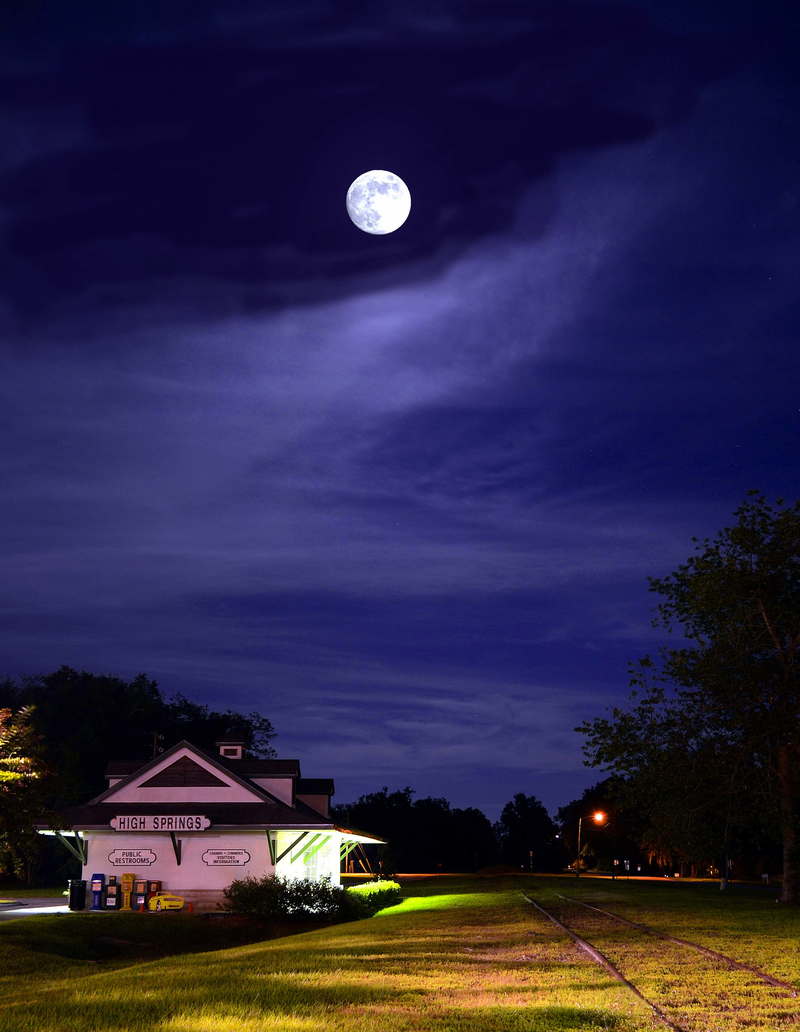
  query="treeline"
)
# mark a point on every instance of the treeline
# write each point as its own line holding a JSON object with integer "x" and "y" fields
{"x": 429, "y": 835}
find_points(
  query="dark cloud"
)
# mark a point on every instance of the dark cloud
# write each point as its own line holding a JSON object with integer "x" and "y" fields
{"x": 214, "y": 153}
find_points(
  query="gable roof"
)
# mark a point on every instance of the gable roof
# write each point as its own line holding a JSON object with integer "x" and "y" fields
{"x": 157, "y": 760}
{"x": 184, "y": 773}
{"x": 246, "y": 767}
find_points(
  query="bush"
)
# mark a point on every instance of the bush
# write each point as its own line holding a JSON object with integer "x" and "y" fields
{"x": 377, "y": 895}
{"x": 285, "y": 898}
{"x": 274, "y": 897}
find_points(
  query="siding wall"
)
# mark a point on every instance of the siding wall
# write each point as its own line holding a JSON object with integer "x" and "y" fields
{"x": 194, "y": 872}
{"x": 198, "y": 876}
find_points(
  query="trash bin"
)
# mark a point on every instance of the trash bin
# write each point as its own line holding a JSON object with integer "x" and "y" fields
{"x": 77, "y": 894}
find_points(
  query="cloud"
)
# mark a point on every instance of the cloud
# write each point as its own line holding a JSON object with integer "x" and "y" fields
{"x": 214, "y": 150}
{"x": 406, "y": 441}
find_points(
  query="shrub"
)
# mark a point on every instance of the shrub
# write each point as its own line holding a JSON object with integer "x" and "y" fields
{"x": 376, "y": 895}
{"x": 314, "y": 898}
{"x": 274, "y": 897}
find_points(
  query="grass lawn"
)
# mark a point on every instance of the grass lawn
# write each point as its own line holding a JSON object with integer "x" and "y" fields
{"x": 458, "y": 955}
{"x": 745, "y": 921}
{"x": 694, "y": 991}
{"x": 34, "y": 948}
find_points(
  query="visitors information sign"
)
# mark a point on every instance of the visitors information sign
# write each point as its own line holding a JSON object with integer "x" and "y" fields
{"x": 226, "y": 857}
{"x": 160, "y": 822}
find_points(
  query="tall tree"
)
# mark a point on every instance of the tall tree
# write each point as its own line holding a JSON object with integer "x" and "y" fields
{"x": 182, "y": 718}
{"x": 616, "y": 838}
{"x": 85, "y": 719}
{"x": 21, "y": 801}
{"x": 526, "y": 833}
{"x": 683, "y": 779}
{"x": 730, "y": 696}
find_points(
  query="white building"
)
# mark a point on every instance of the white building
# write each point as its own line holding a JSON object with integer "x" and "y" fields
{"x": 197, "y": 822}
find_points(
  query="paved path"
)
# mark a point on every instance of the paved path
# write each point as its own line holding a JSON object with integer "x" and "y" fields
{"x": 32, "y": 905}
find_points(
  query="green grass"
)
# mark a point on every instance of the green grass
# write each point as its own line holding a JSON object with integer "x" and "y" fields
{"x": 450, "y": 958}
{"x": 37, "y": 947}
{"x": 459, "y": 954}
{"x": 745, "y": 923}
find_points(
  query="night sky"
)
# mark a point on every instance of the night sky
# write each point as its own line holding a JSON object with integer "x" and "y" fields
{"x": 399, "y": 493}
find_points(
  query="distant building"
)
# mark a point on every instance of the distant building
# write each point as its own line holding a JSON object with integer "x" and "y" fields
{"x": 196, "y": 822}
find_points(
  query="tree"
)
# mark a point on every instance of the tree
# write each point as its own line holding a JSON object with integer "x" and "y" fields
{"x": 681, "y": 780}
{"x": 389, "y": 815}
{"x": 473, "y": 840}
{"x": 618, "y": 838}
{"x": 16, "y": 767}
{"x": 81, "y": 717}
{"x": 526, "y": 833}
{"x": 422, "y": 834}
{"x": 20, "y": 789}
{"x": 182, "y": 718}
{"x": 725, "y": 705}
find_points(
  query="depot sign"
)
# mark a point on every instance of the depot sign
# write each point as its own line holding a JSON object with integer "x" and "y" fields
{"x": 159, "y": 822}
{"x": 226, "y": 857}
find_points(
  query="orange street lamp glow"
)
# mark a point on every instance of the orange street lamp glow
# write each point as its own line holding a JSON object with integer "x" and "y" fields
{"x": 599, "y": 817}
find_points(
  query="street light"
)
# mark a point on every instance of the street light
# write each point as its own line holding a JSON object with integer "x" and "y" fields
{"x": 599, "y": 817}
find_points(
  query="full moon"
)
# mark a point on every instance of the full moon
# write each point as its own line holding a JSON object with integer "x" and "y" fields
{"x": 378, "y": 201}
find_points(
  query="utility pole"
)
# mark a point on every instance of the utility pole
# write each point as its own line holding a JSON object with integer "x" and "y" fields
{"x": 599, "y": 817}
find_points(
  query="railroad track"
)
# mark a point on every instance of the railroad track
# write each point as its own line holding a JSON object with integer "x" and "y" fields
{"x": 605, "y": 962}
{"x": 730, "y": 962}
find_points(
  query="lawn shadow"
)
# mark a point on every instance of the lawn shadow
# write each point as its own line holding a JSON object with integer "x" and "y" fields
{"x": 127, "y": 1003}
{"x": 533, "y": 1019}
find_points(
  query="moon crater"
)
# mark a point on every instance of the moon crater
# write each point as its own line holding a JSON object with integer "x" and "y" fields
{"x": 378, "y": 202}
